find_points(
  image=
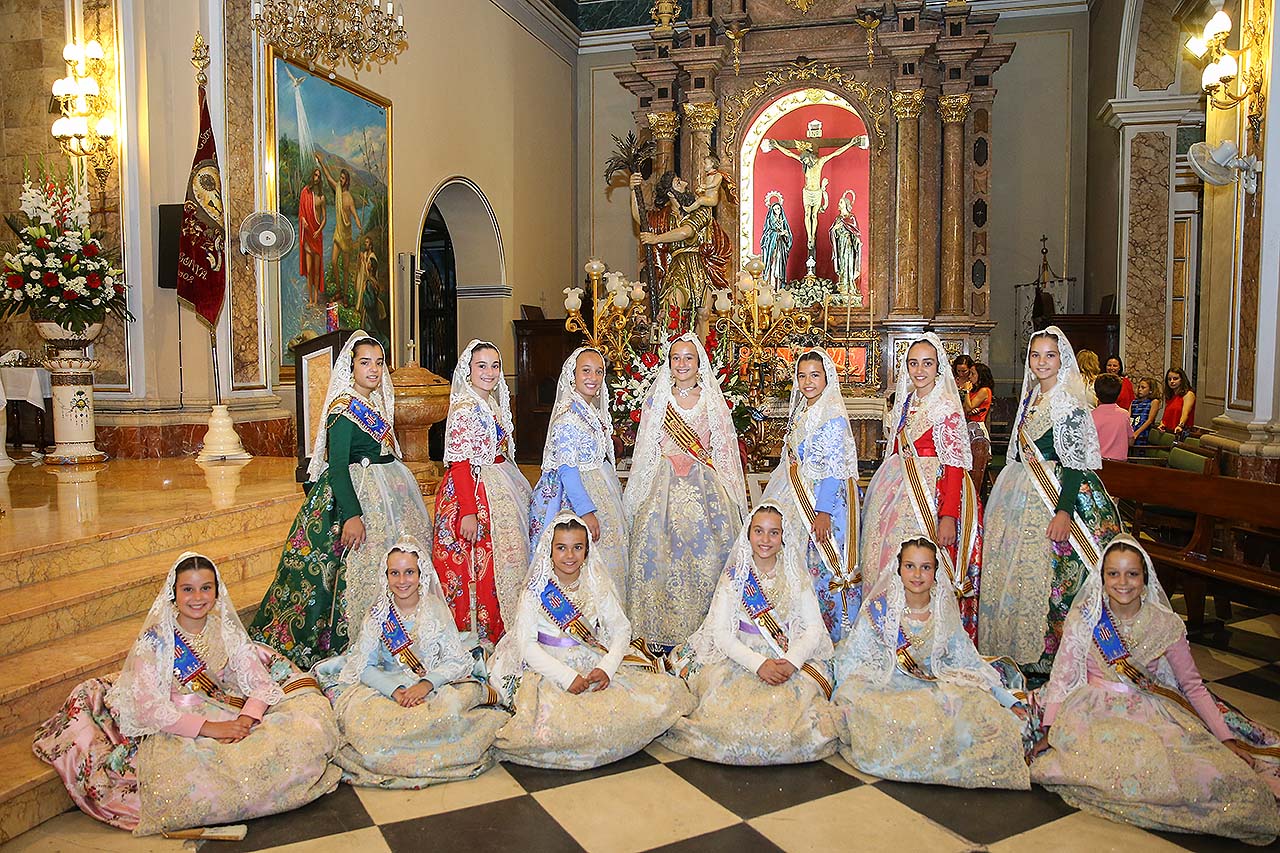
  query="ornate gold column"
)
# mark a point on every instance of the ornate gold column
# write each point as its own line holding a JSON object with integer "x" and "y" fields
{"x": 954, "y": 110}
{"x": 700, "y": 119}
{"x": 663, "y": 125}
{"x": 906, "y": 287}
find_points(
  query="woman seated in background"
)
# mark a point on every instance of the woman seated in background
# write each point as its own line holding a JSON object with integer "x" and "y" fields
{"x": 583, "y": 690}
{"x": 202, "y": 726}
{"x": 1179, "y": 403}
{"x": 760, "y": 665}
{"x": 919, "y": 704}
{"x": 1115, "y": 367}
{"x": 1131, "y": 733}
{"x": 409, "y": 713}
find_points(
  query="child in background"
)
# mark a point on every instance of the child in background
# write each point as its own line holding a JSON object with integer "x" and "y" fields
{"x": 1115, "y": 432}
{"x": 1144, "y": 411}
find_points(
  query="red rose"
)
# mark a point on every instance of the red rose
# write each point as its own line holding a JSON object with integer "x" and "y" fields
{"x": 50, "y": 279}
{"x": 43, "y": 243}
{"x": 66, "y": 259}
{"x": 635, "y": 417}
{"x": 119, "y": 289}
{"x": 649, "y": 359}
{"x": 91, "y": 250}
{"x": 69, "y": 295}
{"x": 14, "y": 281}
{"x": 729, "y": 403}
{"x": 93, "y": 280}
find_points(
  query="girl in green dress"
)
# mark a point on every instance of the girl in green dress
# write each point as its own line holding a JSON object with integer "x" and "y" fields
{"x": 356, "y": 509}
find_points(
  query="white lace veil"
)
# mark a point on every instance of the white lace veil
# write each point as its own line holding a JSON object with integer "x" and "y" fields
{"x": 383, "y": 399}
{"x": 471, "y": 432}
{"x": 601, "y": 423}
{"x": 1070, "y": 665}
{"x": 829, "y": 453}
{"x": 1075, "y": 438}
{"x": 435, "y": 638}
{"x": 140, "y": 695}
{"x": 872, "y": 652}
{"x": 724, "y": 438}
{"x": 733, "y": 580}
{"x": 939, "y": 405}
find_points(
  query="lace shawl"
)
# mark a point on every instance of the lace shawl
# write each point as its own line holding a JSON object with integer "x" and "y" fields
{"x": 581, "y": 433}
{"x": 435, "y": 637}
{"x": 871, "y": 653}
{"x": 940, "y": 408}
{"x": 726, "y": 603}
{"x": 141, "y": 694}
{"x": 822, "y": 429}
{"x": 1070, "y": 666}
{"x": 384, "y": 400}
{"x": 471, "y": 430}
{"x": 724, "y": 438}
{"x": 1075, "y": 438}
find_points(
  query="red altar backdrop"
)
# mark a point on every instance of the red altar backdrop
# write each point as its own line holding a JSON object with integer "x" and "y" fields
{"x": 851, "y": 170}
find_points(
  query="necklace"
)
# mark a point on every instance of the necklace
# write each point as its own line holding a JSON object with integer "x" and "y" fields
{"x": 917, "y": 611}
{"x": 685, "y": 392}
{"x": 210, "y": 651}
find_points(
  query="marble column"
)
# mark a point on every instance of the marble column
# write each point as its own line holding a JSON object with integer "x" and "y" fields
{"x": 954, "y": 110}
{"x": 663, "y": 125}
{"x": 701, "y": 119}
{"x": 906, "y": 285}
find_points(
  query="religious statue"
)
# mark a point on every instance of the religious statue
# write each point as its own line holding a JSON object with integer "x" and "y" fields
{"x": 709, "y": 186}
{"x": 805, "y": 152}
{"x": 693, "y": 252}
{"x": 846, "y": 250}
{"x": 775, "y": 241}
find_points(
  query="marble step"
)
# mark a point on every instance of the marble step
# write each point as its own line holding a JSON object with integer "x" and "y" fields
{"x": 30, "y": 792}
{"x": 32, "y": 565}
{"x": 60, "y": 607}
{"x": 34, "y": 683}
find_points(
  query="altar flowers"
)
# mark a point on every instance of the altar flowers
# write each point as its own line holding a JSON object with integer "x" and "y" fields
{"x": 583, "y": 690}
{"x": 410, "y": 712}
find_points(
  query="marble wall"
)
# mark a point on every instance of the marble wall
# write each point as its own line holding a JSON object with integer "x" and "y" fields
{"x": 1146, "y": 282}
{"x": 274, "y": 437}
{"x": 1155, "y": 64}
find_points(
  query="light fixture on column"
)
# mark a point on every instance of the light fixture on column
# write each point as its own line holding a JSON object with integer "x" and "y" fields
{"x": 87, "y": 128}
{"x": 330, "y": 32}
{"x": 1222, "y": 65}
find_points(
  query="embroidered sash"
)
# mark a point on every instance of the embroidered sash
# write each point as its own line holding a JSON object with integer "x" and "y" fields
{"x": 927, "y": 516}
{"x": 566, "y": 615}
{"x": 878, "y": 609}
{"x": 399, "y": 643}
{"x": 843, "y": 567}
{"x": 366, "y": 417}
{"x": 1049, "y": 489}
{"x": 192, "y": 672}
{"x": 759, "y": 608}
{"x": 684, "y": 436}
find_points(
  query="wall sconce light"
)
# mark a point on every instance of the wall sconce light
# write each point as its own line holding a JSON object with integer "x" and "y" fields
{"x": 87, "y": 127}
{"x": 1222, "y": 65}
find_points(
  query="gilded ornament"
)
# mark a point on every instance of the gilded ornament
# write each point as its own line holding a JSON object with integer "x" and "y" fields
{"x": 663, "y": 125}
{"x": 664, "y": 13}
{"x": 701, "y": 117}
{"x": 907, "y": 105}
{"x": 954, "y": 108}
{"x": 803, "y": 6}
{"x": 873, "y": 99}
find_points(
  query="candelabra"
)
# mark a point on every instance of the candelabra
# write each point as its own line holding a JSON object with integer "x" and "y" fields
{"x": 1223, "y": 66}
{"x": 616, "y": 320}
{"x": 87, "y": 127}
{"x": 332, "y": 31}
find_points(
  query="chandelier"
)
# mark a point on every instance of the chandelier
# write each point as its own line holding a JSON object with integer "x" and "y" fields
{"x": 329, "y": 32}
{"x": 87, "y": 127}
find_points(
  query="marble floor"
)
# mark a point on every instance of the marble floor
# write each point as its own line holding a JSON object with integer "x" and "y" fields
{"x": 658, "y": 800}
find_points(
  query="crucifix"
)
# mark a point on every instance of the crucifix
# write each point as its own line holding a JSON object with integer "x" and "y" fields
{"x": 806, "y": 152}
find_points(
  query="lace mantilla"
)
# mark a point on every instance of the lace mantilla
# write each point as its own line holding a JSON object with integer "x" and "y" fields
{"x": 471, "y": 431}
{"x": 581, "y": 432}
{"x": 821, "y": 430}
{"x": 940, "y": 408}
{"x": 1075, "y": 438}
{"x": 384, "y": 400}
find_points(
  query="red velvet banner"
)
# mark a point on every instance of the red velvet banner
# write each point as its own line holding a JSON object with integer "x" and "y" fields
{"x": 202, "y": 272}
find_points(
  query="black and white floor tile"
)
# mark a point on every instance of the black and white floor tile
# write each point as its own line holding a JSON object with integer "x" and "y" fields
{"x": 657, "y": 800}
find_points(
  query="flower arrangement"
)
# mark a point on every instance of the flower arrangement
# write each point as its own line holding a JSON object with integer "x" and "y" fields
{"x": 58, "y": 271}
{"x": 811, "y": 291}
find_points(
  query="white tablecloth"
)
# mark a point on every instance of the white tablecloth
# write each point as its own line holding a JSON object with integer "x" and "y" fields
{"x": 25, "y": 383}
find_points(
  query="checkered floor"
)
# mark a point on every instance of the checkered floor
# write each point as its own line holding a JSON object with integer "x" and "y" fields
{"x": 659, "y": 800}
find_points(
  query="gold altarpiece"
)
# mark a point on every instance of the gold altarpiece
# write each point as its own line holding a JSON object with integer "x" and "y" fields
{"x": 899, "y": 96}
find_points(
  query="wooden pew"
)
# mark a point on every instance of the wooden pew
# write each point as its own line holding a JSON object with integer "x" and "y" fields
{"x": 1221, "y": 506}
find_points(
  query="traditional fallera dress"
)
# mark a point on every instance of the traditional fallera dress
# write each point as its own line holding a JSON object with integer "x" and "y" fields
{"x": 924, "y": 478}
{"x": 128, "y": 747}
{"x": 818, "y": 472}
{"x": 482, "y": 479}
{"x": 684, "y": 503}
{"x": 1136, "y": 736}
{"x": 740, "y": 718}
{"x": 920, "y": 705}
{"x": 578, "y": 470}
{"x": 1029, "y": 581}
{"x": 562, "y": 632}
{"x": 447, "y": 737}
{"x": 319, "y": 588}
